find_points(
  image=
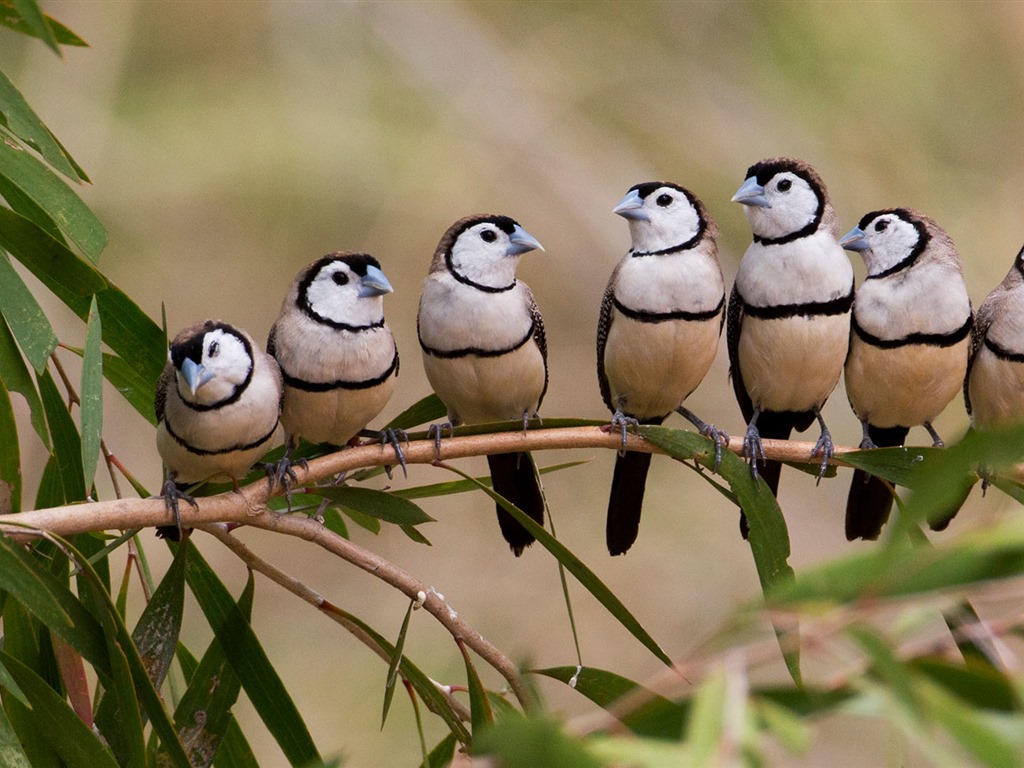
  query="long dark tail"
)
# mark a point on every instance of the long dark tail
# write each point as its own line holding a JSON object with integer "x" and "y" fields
{"x": 775, "y": 426}
{"x": 869, "y": 502}
{"x": 626, "y": 501}
{"x": 513, "y": 476}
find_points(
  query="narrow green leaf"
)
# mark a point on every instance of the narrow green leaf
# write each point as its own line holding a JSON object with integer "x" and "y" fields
{"x": 415, "y": 535}
{"x": 10, "y": 459}
{"x": 91, "y": 396}
{"x": 704, "y": 734}
{"x": 63, "y": 271}
{"x": 234, "y": 750}
{"x": 72, "y": 739}
{"x": 897, "y": 465}
{"x": 653, "y": 716}
{"x": 37, "y": 182}
{"x": 396, "y": 657}
{"x": 8, "y": 684}
{"x": 67, "y": 445}
{"x": 333, "y": 521}
{"x": 156, "y": 632}
{"x": 371, "y": 524}
{"x": 577, "y": 568}
{"x": 119, "y": 718}
{"x": 789, "y": 729}
{"x": 25, "y": 317}
{"x": 441, "y": 755}
{"x": 135, "y": 389}
{"x": 378, "y": 504}
{"x": 19, "y": 118}
{"x": 203, "y": 715}
{"x": 462, "y": 486}
{"x": 11, "y": 753}
{"x": 522, "y": 742}
{"x": 10, "y": 18}
{"x": 247, "y": 657}
{"x": 51, "y": 490}
{"x": 979, "y": 684}
{"x": 430, "y": 408}
{"x": 481, "y": 716}
{"x": 14, "y": 373}
{"x": 33, "y": 17}
{"x": 970, "y": 729}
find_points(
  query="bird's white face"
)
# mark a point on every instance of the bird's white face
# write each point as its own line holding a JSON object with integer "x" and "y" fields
{"x": 339, "y": 294}
{"x": 789, "y": 205}
{"x": 487, "y": 255}
{"x": 225, "y": 363}
{"x": 890, "y": 240}
{"x": 671, "y": 220}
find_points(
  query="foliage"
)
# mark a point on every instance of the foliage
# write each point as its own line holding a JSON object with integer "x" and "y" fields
{"x": 953, "y": 693}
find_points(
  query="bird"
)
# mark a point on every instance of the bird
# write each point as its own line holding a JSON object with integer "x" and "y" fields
{"x": 909, "y": 343}
{"x": 657, "y": 335}
{"x": 218, "y": 404}
{"x": 484, "y": 349}
{"x": 788, "y": 323}
{"x": 338, "y": 357}
{"x": 994, "y": 384}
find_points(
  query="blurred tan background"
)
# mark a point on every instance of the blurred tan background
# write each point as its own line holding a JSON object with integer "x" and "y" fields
{"x": 230, "y": 143}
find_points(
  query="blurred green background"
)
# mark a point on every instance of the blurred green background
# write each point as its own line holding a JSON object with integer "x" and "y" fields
{"x": 230, "y": 143}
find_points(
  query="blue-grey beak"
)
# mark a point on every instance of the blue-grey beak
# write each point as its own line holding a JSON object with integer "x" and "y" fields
{"x": 374, "y": 283}
{"x": 521, "y": 241}
{"x": 632, "y": 207}
{"x": 855, "y": 240}
{"x": 196, "y": 374}
{"x": 751, "y": 193}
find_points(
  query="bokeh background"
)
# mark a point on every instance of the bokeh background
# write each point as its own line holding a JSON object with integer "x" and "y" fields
{"x": 230, "y": 143}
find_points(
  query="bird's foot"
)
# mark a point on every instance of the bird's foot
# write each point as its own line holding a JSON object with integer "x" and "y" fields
{"x": 172, "y": 495}
{"x": 394, "y": 438}
{"x": 936, "y": 440}
{"x": 623, "y": 423}
{"x": 867, "y": 444}
{"x": 753, "y": 450}
{"x": 435, "y": 431}
{"x": 526, "y": 419}
{"x": 826, "y": 448}
{"x": 718, "y": 436}
{"x": 280, "y": 473}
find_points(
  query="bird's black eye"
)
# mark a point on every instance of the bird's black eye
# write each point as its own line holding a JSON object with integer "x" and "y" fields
{"x": 881, "y": 225}
{"x": 488, "y": 235}
{"x": 214, "y": 349}
{"x": 340, "y": 278}
{"x": 785, "y": 185}
{"x": 664, "y": 200}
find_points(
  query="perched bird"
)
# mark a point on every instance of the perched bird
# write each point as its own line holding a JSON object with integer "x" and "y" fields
{"x": 484, "y": 349}
{"x": 908, "y": 348}
{"x": 218, "y": 402}
{"x": 338, "y": 357}
{"x": 661, "y": 317}
{"x": 994, "y": 385}
{"x": 789, "y": 312}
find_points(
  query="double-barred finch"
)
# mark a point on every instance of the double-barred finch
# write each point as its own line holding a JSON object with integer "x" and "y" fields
{"x": 218, "y": 402}
{"x": 337, "y": 355}
{"x": 484, "y": 349}
{"x": 909, "y": 343}
{"x": 789, "y": 312}
{"x": 658, "y": 331}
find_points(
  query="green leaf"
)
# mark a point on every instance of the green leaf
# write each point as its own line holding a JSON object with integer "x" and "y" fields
{"x": 396, "y": 657}
{"x": 522, "y": 742}
{"x": 979, "y": 684}
{"x": 39, "y": 184}
{"x": 135, "y": 389}
{"x": 249, "y": 661}
{"x": 10, "y": 459}
{"x": 25, "y": 317}
{"x": 430, "y": 408}
{"x": 377, "y": 504}
{"x": 33, "y": 18}
{"x": 577, "y": 568}
{"x": 10, "y": 18}
{"x": 49, "y": 259}
{"x": 91, "y": 396}
{"x": 789, "y": 729}
{"x": 51, "y": 490}
{"x": 897, "y": 465}
{"x": 15, "y": 375}
{"x": 156, "y": 632}
{"x": 11, "y": 753}
{"x": 8, "y": 684}
{"x": 72, "y": 739}
{"x": 462, "y": 486}
{"x": 441, "y": 755}
{"x": 704, "y": 734}
{"x": 480, "y": 712}
{"x": 653, "y": 716}
{"x": 970, "y": 729}
{"x": 19, "y": 118}
{"x": 204, "y": 712}
{"x": 67, "y": 445}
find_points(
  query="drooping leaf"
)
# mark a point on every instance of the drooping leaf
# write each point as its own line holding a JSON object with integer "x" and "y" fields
{"x": 377, "y": 504}
{"x": 396, "y": 657}
{"x": 25, "y": 317}
{"x": 49, "y": 259}
{"x": 46, "y": 190}
{"x": 522, "y": 742}
{"x": 15, "y": 376}
{"x": 430, "y": 408}
{"x": 260, "y": 680}
{"x": 653, "y": 715}
{"x": 19, "y": 118}
{"x": 67, "y": 445}
{"x": 587, "y": 578}
{"x": 11, "y": 753}
{"x": 91, "y": 396}
{"x": 72, "y": 674}
{"x": 10, "y": 18}
{"x": 33, "y": 18}
{"x": 69, "y": 737}
{"x": 135, "y": 389}
{"x": 480, "y": 712}
{"x": 10, "y": 460}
